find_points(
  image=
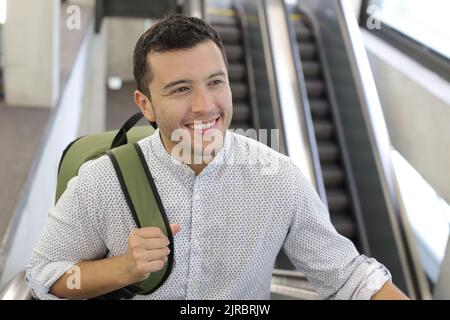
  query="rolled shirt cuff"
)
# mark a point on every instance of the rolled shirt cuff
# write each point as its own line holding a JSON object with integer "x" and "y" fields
{"x": 367, "y": 279}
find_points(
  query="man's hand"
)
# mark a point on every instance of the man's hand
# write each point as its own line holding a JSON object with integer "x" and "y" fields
{"x": 147, "y": 252}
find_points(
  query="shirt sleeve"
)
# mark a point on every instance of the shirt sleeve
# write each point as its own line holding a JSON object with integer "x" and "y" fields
{"x": 71, "y": 235}
{"x": 329, "y": 261}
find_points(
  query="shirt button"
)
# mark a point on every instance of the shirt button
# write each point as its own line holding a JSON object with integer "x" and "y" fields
{"x": 194, "y": 284}
{"x": 197, "y": 197}
{"x": 196, "y": 242}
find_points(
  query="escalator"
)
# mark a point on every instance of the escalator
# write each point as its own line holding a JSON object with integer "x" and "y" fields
{"x": 229, "y": 25}
{"x": 340, "y": 194}
{"x": 342, "y": 203}
{"x": 347, "y": 132}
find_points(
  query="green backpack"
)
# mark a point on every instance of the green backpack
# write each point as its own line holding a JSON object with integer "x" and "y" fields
{"x": 135, "y": 180}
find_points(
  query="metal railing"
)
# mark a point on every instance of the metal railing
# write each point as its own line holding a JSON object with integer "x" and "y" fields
{"x": 16, "y": 289}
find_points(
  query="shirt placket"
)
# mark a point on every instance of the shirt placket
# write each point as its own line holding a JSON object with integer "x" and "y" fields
{"x": 197, "y": 227}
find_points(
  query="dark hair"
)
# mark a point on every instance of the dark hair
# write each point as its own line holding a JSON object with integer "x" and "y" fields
{"x": 175, "y": 31}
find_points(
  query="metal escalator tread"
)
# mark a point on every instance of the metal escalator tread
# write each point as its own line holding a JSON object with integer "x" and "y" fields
{"x": 308, "y": 50}
{"x": 328, "y": 152}
{"x": 315, "y": 88}
{"x": 311, "y": 69}
{"x": 343, "y": 224}
{"x": 338, "y": 200}
{"x": 323, "y": 129}
{"x": 234, "y": 53}
{"x": 218, "y": 20}
{"x": 239, "y": 125}
{"x": 319, "y": 107}
{"x": 239, "y": 90}
{"x": 302, "y": 33}
{"x": 241, "y": 112}
{"x": 229, "y": 34}
{"x": 333, "y": 175}
{"x": 236, "y": 72}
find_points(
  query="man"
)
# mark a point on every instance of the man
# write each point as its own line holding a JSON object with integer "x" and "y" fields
{"x": 230, "y": 216}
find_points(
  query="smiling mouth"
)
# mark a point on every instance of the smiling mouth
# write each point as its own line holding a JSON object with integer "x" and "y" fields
{"x": 202, "y": 125}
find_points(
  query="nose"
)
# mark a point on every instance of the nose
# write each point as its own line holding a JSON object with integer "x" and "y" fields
{"x": 202, "y": 101}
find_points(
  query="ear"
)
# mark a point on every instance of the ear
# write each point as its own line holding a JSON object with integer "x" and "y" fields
{"x": 145, "y": 105}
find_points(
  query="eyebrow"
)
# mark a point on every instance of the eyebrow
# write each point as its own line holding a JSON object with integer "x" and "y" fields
{"x": 176, "y": 82}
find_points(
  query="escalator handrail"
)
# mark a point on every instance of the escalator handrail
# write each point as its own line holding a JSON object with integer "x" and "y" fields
{"x": 301, "y": 84}
{"x": 287, "y": 102}
{"x": 16, "y": 289}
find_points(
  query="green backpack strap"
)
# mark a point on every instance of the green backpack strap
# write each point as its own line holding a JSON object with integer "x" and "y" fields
{"x": 91, "y": 147}
{"x": 146, "y": 207}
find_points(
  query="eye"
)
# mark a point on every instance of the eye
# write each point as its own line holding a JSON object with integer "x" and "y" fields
{"x": 180, "y": 90}
{"x": 216, "y": 82}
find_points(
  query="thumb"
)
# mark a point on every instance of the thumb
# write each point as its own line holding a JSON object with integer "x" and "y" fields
{"x": 175, "y": 227}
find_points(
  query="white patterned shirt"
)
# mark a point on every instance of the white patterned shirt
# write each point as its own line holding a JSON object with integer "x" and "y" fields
{"x": 235, "y": 216}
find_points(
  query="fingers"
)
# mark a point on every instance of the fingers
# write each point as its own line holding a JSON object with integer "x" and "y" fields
{"x": 153, "y": 243}
{"x": 151, "y": 266}
{"x": 149, "y": 232}
{"x": 153, "y": 255}
{"x": 175, "y": 227}
{"x": 136, "y": 242}
{"x": 155, "y": 232}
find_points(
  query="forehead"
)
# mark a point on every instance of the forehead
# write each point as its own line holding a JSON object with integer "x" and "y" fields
{"x": 190, "y": 64}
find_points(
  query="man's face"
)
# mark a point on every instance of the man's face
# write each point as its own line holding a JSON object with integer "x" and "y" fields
{"x": 190, "y": 94}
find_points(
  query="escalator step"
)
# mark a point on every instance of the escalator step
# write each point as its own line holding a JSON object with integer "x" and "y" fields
{"x": 311, "y": 69}
{"x": 229, "y": 34}
{"x": 239, "y": 91}
{"x": 338, "y": 200}
{"x": 333, "y": 176}
{"x": 308, "y": 50}
{"x": 241, "y": 112}
{"x": 240, "y": 125}
{"x": 324, "y": 129}
{"x": 223, "y": 20}
{"x": 319, "y": 107}
{"x": 234, "y": 53}
{"x": 236, "y": 72}
{"x": 303, "y": 33}
{"x": 315, "y": 88}
{"x": 328, "y": 152}
{"x": 343, "y": 224}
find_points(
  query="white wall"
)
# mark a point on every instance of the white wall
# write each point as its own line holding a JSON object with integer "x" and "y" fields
{"x": 31, "y": 53}
{"x": 416, "y": 105}
{"x": 123, "y": 34}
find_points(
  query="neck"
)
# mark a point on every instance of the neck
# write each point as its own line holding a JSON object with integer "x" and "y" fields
{"x": 196, "y": 167}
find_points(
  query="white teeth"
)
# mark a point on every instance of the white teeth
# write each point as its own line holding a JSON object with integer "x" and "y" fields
{"x": 202, "y": 126}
